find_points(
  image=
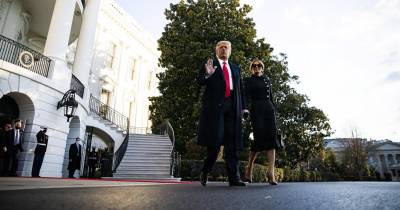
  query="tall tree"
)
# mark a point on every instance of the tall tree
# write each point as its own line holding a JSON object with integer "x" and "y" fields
{"x": 190, "y": 37}
{"x": 355, "y": 161}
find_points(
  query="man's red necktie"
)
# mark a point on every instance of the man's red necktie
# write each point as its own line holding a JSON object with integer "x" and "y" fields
{"x": 227, "y": 83}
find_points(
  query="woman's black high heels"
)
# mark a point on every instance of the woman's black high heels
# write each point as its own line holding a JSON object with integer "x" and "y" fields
{"x": 273, "y": 183}
{"x": 270, "y": 180}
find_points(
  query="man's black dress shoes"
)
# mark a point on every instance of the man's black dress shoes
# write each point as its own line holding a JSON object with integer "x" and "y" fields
{"x": 237, "y": 184}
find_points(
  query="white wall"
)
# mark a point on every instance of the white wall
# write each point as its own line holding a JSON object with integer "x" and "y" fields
{"x": 43, "y": 99}
{"x": 132, "y": 43}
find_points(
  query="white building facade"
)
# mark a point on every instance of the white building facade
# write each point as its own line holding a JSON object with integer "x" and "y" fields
{"x": 125, "y": 64}
{"x": 35, "y": 73}
{"x": 383, "y": 156}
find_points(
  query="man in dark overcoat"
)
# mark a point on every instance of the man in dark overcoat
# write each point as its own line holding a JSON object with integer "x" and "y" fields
{"x": 221, "y": 113}
{"x": 75, "y": 153}
{"x": 4, "y": 137}
{"x": 13, "y": 144}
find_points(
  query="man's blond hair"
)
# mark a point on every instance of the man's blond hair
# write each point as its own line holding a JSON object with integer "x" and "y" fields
{"x": 224, "y": 42}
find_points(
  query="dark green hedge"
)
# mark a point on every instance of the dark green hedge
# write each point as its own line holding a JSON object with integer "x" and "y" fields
{"x": 190, "y": 170}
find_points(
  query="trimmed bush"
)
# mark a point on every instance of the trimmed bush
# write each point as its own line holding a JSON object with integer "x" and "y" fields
{"x": 191, "y": 169}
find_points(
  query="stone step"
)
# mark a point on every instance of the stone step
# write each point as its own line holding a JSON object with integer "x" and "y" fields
{"x": 131, "y": 163}
{"x": 148, "y": 135}
{"x": 139, "y": 159}
{"x": 148, "y": 158}
{"x": 135, "y": 162}
{"x": 138, "y": 151}
{"x": 149, "y": 140}
{"x": 142, "y": 172}
{"x": 144, "y": 165}
{"x": 145, "y": 177}
{"x": 133, "y": 145}
{"x": 148, "y": 150}
{"x": 131, "y": 149}
{"x": 142, "y": 154}
{"x": 151, "y": 143}
{"x": 144, "y": 168}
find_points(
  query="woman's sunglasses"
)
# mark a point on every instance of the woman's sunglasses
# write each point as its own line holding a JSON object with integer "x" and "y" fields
{"x": 256, "y": 65}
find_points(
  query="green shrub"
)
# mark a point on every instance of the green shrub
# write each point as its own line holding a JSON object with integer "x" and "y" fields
{"x": 329, "y": 176}
{"x": 191, "y": 169}
{"x": 369, "y": 178}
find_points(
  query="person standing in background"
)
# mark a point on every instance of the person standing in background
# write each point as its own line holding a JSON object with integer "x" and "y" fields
{"x": 3, "y": 148}
{"x": 13, "y": 144}
{"x": 40, "y": 150}
{"x": 93, "y": 159}
{"x": 75, "y": 154}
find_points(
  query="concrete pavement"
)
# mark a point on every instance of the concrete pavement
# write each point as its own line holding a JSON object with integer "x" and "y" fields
{"x": 24, "y": 183}
{"x": 217, "y": 195}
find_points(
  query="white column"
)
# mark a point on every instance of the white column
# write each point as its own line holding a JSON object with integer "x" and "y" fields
{"x": 139, "y": 92}
{"x": 381, "y": 167}
{"x": 84, "y": 51}
{"x": 59, "y": 31}
{"x": 387, "y": 161}
{"x": 121, "y": 70}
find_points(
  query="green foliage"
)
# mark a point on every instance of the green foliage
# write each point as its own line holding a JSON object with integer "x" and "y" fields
{"x": 194, "y": 151}
{"x": 324, "y": 161}
{"x": 355, "y": 159}
{"x": 190, "y": 36}
{"x": 191, "y": 169}
{"x": 330, "y": 162}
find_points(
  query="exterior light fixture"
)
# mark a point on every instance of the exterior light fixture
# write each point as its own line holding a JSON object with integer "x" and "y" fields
{"x": 69, "y": 103}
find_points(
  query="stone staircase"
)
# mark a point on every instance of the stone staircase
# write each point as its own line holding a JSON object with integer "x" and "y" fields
{"x": 147, "y": 157}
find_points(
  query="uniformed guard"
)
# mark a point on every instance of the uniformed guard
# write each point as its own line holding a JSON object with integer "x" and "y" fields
{"x": 40, "y": 150}
{"x": 105, "y": 162}
{"x": 93, "y": 159}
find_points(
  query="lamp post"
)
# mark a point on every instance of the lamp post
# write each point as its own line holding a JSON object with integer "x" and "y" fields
{"x": 69, "y": 104}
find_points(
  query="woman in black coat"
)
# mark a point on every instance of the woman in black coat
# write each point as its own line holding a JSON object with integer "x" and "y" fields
{"x": 262, "y": 112}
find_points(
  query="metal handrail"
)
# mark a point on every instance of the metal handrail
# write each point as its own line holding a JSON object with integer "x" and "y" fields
{"x": 109, "y": 114}
{"x": 119, "y": 120}
{"x": 11, "y": 50}
{"x": 175, "y": 156}
{"x": 120, "y": 153}
{"x": 165, "y": 128}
